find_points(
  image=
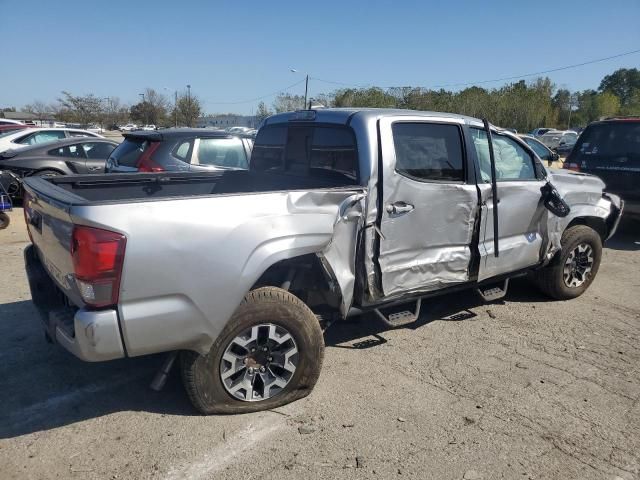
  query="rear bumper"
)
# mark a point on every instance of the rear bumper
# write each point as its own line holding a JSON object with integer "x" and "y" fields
{"x": 91, "y": 335}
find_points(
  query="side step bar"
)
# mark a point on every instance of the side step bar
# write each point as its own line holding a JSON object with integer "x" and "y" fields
{"x": 494, "y": 291}
{"x": 401, "y": 317}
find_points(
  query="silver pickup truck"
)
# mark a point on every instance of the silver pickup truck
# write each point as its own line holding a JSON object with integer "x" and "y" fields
{"x": 343, "y": 211}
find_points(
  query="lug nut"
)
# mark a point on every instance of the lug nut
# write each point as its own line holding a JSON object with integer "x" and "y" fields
{"x": 270, "y": 359}
{"x": 264, "y": 349}
{"x": 253, "y": 350}
{"x": 262, "y": 369}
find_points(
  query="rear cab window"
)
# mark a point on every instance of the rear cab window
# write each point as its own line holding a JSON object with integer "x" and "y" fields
{"x": 307, "y": 149}
{"x": 608, "y": 141}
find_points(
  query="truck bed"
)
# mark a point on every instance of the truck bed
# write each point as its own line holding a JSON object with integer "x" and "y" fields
{"x": 92, "y": 189}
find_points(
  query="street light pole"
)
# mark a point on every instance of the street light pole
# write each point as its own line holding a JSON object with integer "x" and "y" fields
{"x": 175, "y": 105}
{"x": 108, "y": 99}
{"x": 144, "y": 107}
{"x": 306, "y": 87}
{"x": 189, "y": 104}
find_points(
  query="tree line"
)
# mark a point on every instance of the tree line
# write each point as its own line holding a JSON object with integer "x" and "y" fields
{"x": 154, "y": 108}
{"x": 520, "y": 105}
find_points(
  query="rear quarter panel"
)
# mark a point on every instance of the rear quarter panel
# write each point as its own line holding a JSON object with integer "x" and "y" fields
{"x": 190, "y": 262}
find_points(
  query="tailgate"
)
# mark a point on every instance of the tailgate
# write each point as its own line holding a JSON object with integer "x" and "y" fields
{"x": 46, "y": 209}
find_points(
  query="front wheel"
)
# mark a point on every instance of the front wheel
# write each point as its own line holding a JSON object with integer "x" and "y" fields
{"x": 268, "y": 355}
{"x": 572, "y": 271}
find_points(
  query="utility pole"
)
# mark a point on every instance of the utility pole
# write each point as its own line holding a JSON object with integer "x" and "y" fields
{"x": 569, "y": 122}
{"x": 175, "y": 108}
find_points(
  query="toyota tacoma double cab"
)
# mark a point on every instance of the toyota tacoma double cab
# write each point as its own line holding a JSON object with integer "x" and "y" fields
{"x": 342, "y": 211}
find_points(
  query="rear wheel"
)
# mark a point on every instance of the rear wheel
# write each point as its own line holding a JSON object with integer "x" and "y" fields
{"x": 572, "y": 271}
{"x": 4, "y": 220}
{"x": 268, "y": 355}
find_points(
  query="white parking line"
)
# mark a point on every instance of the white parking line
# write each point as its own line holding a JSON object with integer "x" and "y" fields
{"x": 221, "y": 455}
{"x": 35, "y": 412}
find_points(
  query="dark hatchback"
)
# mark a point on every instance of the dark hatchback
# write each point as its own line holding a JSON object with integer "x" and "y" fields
{"x": 180, "y": 149}
{"x": 64, "y": 157}
{"x": 610, "y": 149}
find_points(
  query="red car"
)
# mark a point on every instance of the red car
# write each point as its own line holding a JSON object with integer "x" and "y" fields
{"x": 12, "y": 127}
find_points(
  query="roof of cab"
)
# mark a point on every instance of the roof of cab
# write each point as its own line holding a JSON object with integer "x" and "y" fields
{"x": 344, "y": 115}
{"x": 164, "y": 133}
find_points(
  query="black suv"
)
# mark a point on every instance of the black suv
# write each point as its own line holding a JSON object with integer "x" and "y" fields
{"x": 180, "y": 149}
{"x": 610, "y": 149}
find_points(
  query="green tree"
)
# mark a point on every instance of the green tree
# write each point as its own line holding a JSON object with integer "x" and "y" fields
{"x": 152, "y": 110}
{"x": 189, "y": 109}
{"x": 607, "y": 104}
{"x": 262, "y": 112}
{"x": 622, "y": 83}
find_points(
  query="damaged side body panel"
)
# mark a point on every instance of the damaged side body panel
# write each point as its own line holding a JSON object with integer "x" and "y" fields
{"x": 251, "y": 233}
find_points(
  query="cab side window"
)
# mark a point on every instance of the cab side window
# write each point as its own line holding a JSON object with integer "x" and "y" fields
{"x": 513, "y": 163}
{"x": 428, "y": 151}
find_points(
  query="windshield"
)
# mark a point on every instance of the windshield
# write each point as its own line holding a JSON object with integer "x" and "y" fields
{"x": 620, "y": 139}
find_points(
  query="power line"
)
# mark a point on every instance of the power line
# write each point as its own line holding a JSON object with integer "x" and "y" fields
{"x": 514, "y": 77}
{"x": 258, "y": 98}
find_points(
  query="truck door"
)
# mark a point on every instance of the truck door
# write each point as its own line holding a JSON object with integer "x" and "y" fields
{"x": 428, "y": 205}
{"x": 521, "y": 211}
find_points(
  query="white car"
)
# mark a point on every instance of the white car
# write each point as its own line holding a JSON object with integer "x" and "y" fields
{"x": 7, "y": 121}
{"x": 129, "y": 127}
{"x": 33, "y": 136}
{"x": 149, "y": 127}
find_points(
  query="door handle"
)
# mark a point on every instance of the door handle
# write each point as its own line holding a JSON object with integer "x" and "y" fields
{"x": 399, "y": 208}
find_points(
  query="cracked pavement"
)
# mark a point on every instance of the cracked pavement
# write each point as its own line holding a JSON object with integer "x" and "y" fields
{"x": 525, "y": 388}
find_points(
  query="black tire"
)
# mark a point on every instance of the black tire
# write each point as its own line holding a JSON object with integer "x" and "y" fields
{"x": 201, "y": 373}
{"x": 5, "y": 220}
{"x": 550, "y": 279}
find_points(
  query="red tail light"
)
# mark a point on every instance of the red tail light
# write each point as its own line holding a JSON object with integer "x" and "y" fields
{"x": 98, "y": 256}
{"x": 571, "y": 166}
{"x": 146, "y": 163}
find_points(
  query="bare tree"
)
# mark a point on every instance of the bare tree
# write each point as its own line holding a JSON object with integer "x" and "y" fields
{"x": 40, "y": 109}
{"x": 286, "y": 102}
{"x": 80, "y": 109}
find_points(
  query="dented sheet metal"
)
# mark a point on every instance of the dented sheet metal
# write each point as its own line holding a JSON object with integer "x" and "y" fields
{"x": 426, "y": 227}
{"x": 429, "y": 247}
{"x": 250, "y": 233}
{"x": 339, "y": 256}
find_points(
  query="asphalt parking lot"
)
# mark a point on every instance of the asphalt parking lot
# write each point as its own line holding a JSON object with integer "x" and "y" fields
{"x": 526, "y": 388}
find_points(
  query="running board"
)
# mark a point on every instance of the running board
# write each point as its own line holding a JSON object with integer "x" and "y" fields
{"x": 494, "y": 291}
{"x": 400, "y": 317}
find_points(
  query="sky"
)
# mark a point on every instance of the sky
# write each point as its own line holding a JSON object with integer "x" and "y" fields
{"x": 232, "y": 53}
